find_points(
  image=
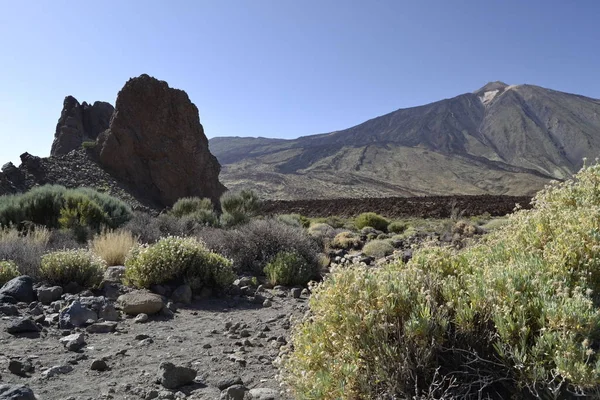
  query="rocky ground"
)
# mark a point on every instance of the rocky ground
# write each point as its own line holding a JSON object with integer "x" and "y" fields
{"x": 123, "y": 344}
{"x": 399, "y": 207}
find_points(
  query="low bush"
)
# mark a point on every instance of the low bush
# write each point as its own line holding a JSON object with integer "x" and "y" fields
{"x": 253, "y": 245}
{"x": 8, "y": 271}
{"x": 173, "y": 259}
{"x": 397, "y": 227}
{"x": 465, "y": 228}
{"x": 25, "y": 248}
{"x": 371, "y": 219}
{"x": 80, "y": 266}
{"x": 514, "y": 316}
{"x": 113, "y": 246}
{"x": 238, "y": 207}
{"x": 322, "y": 232}
{"x": 191, "y": 205}
{"x": 296, "y": 220}
{"x": 289, "y": 269}
{"x": 150, "y": 229}
{"x": 47, "y": 205}
{"x": 346, "y": 240}
{"x": 378, "y": 248}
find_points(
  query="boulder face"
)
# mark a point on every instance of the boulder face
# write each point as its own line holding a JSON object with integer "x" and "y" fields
{"x": 156, "y": 144}
{"x": 79, "y": 123}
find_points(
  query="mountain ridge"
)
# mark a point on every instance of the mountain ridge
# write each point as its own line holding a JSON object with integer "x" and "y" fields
{"x": 499, "y": 139}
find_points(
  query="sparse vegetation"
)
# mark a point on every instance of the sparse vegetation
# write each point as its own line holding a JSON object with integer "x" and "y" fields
{"x": 8, "y": 271}
{"x": 80, "y": 266}
{"x": 515, "y": 315}
{"x": 371, "y": 219}
{"x": 174, "y": 259}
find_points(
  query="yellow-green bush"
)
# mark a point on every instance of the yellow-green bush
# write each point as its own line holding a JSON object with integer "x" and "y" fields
{"x": 80, "y": 266}
{"x": 8, "y": 271}
{"x": 176, "y": 258}
{"x": 378, "y": 248}
{"x": 346, "y": 241}
{"x": 514, "y": 316}
{"x": 113, "y": 246}
{"x": 190, "y": 205}
{"x": 195, "y": 210}
{"x": 397, "y": 227}
{"x": 371, "y": 219}
{"x": 290, "y": 268}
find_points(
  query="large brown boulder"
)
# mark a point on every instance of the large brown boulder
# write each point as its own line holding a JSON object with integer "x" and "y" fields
{"x": 79, "y": 123}
{"x": 156, "y": 143}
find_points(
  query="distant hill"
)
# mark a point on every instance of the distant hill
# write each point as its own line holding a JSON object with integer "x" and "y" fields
{"x": 500, "y": 139}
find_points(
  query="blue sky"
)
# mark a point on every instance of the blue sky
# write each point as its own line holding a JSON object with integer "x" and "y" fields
{"x": 283, "y": 68}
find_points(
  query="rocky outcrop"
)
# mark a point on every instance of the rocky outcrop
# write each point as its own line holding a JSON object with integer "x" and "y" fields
{"x": 79, "y": 123}
{"x": 76, "y": 169}
{"x": 156, "y": 144}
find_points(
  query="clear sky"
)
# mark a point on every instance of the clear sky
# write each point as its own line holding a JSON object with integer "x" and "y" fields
{"x": 283, "y": 68}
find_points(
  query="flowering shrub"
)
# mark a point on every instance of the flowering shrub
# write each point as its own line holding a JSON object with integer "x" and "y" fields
{"x": 8, "y": 270}
{"x": 177, "y": 258}
{"x": 80, "y": 266}
{"x": 514, "y": 316}
{"x": 290, "y": 268}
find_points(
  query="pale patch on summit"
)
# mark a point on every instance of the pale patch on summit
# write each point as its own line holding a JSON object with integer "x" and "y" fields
{"x": 487, "y": 97}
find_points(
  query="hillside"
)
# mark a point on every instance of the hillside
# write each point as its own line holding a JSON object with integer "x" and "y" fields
{"x": 500, "y": 139}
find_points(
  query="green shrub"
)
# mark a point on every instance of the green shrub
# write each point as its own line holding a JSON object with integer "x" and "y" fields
{"x": 8, "y": 271}
{"x": 397, "y": 227}
{"x": 191, "y": 205}
{"x": 289, "y": 268}
{"x": 239, "y": 207}
{"x": 321, "y": 231}
{"x": 371, "y": 219}
{"x": 515, "y": 316}
{"x": 245, "y": 201}
{"x": 44, "y": 205}
{"x": 81, "y": 215}
{"x": 296, "y": 220}
{"x": 89, "y": 144}
{"x": 177, "y": 259}
{"x": 378, "y": 248}
{"x": 229, "y": 220}
{"x": 80, "y": 266}
{"x": 346, "y": 241}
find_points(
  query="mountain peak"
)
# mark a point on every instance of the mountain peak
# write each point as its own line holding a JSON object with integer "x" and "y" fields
{"x": 490, "y": 86}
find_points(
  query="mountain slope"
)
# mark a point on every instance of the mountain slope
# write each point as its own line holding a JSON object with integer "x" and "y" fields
{"x": 498, "y": 140}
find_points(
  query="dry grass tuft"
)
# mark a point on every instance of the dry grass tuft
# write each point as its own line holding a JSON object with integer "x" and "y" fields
{"x": 113, "y": 246}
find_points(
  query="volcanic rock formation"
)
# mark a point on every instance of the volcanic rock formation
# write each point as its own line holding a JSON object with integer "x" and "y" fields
{"x": 79, "y": 123}
{"x": 156, "y": 144}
